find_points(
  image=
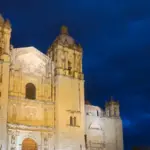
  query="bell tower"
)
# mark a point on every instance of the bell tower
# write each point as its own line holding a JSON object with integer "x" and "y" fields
{"x": 112, "y": 108}
{"x": 5, "y": 34}
{"x": 112, "y": 112}
{"x": 67, "y": 55}
{"x": 69, "y": 92}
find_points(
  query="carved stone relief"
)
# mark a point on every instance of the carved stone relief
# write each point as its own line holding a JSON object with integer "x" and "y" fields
{"x": 45, "y": 141}
{"x": 30, "y": 134}
{"x": 30, "y": 113}
{"x": 13, "y": 139}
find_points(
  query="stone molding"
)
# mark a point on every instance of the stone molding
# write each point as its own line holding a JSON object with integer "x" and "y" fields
{"x": 33, "y": 101}
{"x": 32, "y": 128}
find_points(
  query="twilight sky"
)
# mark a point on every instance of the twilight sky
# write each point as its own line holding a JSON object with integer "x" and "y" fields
{"x": 116, "y": 42}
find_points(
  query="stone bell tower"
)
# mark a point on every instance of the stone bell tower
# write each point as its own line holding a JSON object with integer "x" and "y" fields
{"x": 5, "y": 34}
{"x": 69, "y": 92}
{"x": 112, "y": 112}
{"x": 112, "y": 108}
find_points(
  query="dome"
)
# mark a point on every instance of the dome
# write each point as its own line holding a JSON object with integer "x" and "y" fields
{"x": 66, "y": 40}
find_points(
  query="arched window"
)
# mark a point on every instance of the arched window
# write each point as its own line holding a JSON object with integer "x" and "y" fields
{"x": 115, "y": 112}
{"x": 30, "y": 91}
{"x": 71, "y": 121}
{"x": 85, "y": 139}
{"x": 97, "y": 113}
{"x": 69, "y": 67}
{"x": 74, "y": 121}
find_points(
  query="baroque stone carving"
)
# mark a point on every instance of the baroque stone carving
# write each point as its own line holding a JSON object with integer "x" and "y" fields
{"x": 28, "y": 127}
{"x": 30, "y": 134}
{"x": 30, "y": 113}
{"x": 45, "y": 141}
{"x": 13, "y": 138}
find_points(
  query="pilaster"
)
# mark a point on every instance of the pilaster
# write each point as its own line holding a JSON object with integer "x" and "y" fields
{"x": 5, "y": 34}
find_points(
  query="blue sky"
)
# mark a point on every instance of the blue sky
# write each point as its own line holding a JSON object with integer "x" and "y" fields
{"x": 115, "y": 37}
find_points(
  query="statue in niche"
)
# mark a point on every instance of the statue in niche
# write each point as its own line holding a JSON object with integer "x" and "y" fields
{"x": 30, "y": 114}
{"x": 12, "y": 139}
{"x": 14, "y": 114}
{"x": 45, "y": 141}
{"x": 45, "y": 116}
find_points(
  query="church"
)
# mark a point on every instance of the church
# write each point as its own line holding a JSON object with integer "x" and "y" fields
{"x": 42, "y": 103}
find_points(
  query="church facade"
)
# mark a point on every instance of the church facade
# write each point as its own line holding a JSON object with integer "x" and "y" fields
{"x": 42, "y": 105}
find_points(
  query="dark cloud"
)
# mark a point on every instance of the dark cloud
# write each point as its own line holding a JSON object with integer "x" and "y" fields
{"x": 115, "y": 38}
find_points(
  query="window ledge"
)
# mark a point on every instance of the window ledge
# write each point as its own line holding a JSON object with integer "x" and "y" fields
{"x": 73, "y": 111}
{"x": 77, "y": 126}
